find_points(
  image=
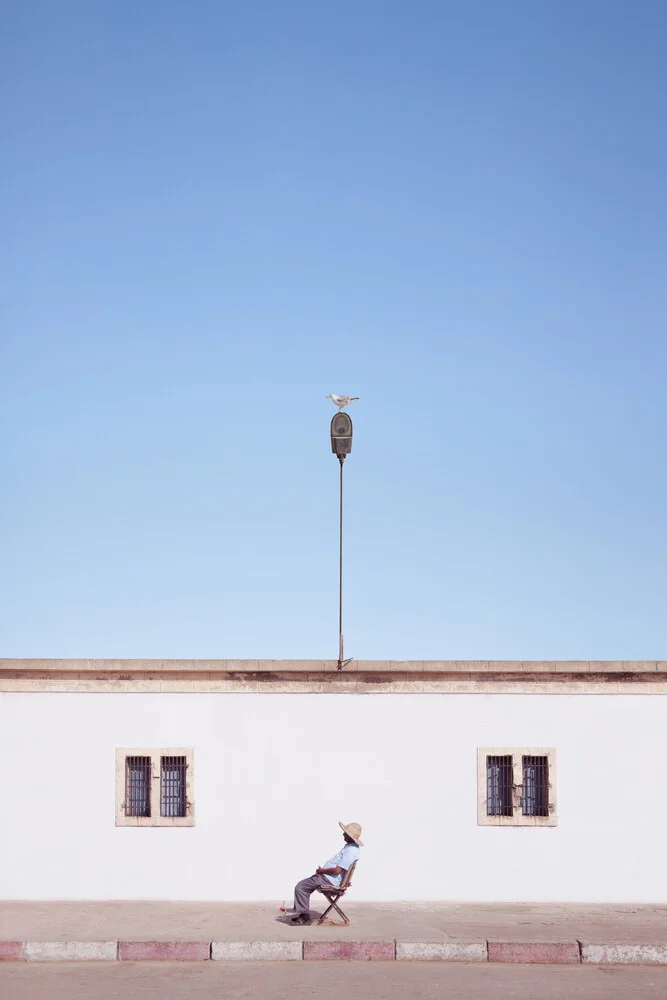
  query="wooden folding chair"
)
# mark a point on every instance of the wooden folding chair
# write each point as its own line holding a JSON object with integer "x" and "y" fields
{"x": 334, "y": 892}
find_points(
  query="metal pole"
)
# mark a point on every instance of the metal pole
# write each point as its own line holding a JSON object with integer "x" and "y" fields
{"x": 340, "y": 571}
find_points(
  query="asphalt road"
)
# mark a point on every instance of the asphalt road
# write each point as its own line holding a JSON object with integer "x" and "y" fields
{"x": 326, "y": 981}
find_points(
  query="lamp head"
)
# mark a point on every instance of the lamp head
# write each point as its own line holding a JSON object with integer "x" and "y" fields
{"x": 341, "y": 435}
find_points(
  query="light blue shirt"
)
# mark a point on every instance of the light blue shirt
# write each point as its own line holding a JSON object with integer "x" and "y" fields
{"x": 345, "y": 857}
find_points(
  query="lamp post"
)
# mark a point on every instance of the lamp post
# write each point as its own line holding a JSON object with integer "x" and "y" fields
{"x": 341, "y": 446}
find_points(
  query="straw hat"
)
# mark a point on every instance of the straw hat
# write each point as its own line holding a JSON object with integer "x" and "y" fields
{"x": 352, "y": 830}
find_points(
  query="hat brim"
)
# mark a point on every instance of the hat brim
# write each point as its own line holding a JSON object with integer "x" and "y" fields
{"x": 358, "y": 842}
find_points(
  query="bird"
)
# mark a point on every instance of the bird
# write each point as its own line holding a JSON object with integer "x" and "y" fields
{"x": 341, "y": 401}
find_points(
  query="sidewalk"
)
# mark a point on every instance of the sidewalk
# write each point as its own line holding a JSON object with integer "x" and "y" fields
{"x": 497, "y": 932}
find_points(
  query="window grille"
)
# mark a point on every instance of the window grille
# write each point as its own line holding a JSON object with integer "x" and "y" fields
{"x": 155, "y": 786}
{"x": 172, "y": 786}
{"x": 535, "y": 791}
{"x": 499, "y": 785}
{"x": 137, "y": 786}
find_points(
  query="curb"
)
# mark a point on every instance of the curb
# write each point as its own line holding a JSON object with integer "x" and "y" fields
{"x": 535, "y": 952}
{"x": 569, "y": 952}
{"x": 624, "y": 954}
{"x": 346, "y": 951}
{"x": 70, "y": 951}
{"x": 11, "y": 951}
{"x": 441, "y": 951}
{"x": 164, "y": 951}
{"x": 257, "y": 951}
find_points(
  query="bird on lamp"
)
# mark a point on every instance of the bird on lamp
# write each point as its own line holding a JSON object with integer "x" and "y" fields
{"x": 341, "y": 401}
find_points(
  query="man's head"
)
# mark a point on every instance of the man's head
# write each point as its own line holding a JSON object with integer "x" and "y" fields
{"x": 351, "y": 833}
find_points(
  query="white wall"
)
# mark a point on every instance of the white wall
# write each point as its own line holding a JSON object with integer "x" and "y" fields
{"x": 274, "y": 773}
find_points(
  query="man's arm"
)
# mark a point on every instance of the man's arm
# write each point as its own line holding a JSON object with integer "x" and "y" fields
{"x": 329, "y": 871}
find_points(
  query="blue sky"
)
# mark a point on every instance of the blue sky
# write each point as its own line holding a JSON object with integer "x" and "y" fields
{"x": 214, "y": 214}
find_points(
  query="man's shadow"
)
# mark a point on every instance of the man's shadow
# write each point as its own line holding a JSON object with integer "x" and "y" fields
{"x": 286, "y": 918}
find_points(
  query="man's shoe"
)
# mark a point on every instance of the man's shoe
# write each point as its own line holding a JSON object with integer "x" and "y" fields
{"x": 301, "y": 919}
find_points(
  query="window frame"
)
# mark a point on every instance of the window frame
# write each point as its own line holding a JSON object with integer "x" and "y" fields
{"x": 517, "y": 818}
{"x": 155, "y": 754}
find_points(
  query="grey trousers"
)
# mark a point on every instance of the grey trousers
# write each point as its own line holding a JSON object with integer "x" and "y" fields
{"x": 303, "y": 891}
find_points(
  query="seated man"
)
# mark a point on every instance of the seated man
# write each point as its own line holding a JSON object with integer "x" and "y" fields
{"x": 332, "y": 872}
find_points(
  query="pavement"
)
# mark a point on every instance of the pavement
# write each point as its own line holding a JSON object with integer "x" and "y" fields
{"x": 536, "y": 933}
{"x": 327, "y": 981}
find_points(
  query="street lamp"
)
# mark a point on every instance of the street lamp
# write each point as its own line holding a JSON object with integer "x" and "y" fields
{"x": 341, "y": 446}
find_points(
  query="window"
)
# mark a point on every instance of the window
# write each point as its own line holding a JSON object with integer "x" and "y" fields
{"x": 499, "y": 786}
{"x": 137, "y": 786}
{"x": 516, "y": 786}
{"x": 172, "y": 786}
{"x": 154, "y": 787}
{"x": 535, "y": 787}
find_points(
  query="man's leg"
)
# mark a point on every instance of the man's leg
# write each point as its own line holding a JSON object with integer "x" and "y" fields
{"x": 302, "y": 893}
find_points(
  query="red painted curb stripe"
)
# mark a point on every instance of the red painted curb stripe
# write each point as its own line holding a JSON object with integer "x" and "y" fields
{"x": 169, "y": 951}
{"x": 536, "y": 952}
{"x": 369, "y": 951}
{"x": 11, "y": 951}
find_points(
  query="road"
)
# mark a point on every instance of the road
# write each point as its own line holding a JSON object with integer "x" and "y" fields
{"x": 326, "y": 981}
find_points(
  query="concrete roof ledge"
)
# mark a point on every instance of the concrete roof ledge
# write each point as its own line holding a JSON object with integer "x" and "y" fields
{"x": 466, "y": 667}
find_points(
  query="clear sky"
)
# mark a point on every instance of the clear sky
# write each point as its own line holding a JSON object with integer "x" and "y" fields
{"x": 215, "y": 213}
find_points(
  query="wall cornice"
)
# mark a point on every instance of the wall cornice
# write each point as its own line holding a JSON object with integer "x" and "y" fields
{"x": 322, "y": 676}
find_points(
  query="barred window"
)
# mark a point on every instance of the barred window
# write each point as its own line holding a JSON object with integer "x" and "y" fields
{"x": 155, "y": 787}
{"x": 499, "y": 785}
{"x": 535, "y": 787}
{"x": 172, "y": 786}
{"x": 137, "y": 786}
{"x": 516, "y": 786}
